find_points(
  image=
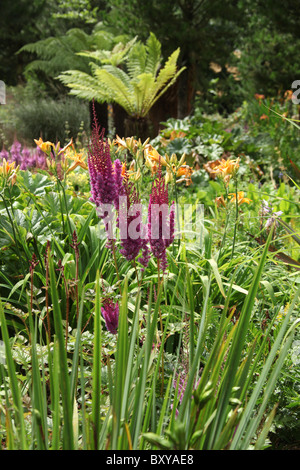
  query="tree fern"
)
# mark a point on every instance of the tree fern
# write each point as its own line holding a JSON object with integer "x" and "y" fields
{"x": 136, "y": 86}
{"x": 116, "y": 88}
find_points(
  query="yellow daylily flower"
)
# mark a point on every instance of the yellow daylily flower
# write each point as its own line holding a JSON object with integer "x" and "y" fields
{"x": 130, "y": 143}
{"x": 153, "y": 155}
{"x": 241, "y": 198}
{"x": 44, "y": 146}
{"x": 78, "y": 159}
{"x": 8, "y": 171}
{"x": 152, "y": 165}
{"x": 66, "y": 147}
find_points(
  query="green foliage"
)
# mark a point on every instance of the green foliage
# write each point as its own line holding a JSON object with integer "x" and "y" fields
{"x": 58, "y": 53}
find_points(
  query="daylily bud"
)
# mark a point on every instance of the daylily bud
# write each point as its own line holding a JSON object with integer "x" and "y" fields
{"x": 137, "y": 175}
{"x": 182, "y": 160}
{"x": 173, "y": 158}
{"x": 168, "y": 176}
{"x": 146, "y": 141}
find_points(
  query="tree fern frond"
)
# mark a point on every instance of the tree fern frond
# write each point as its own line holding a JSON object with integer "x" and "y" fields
{"x": 143, "y": 90}
{"x": 116, "y": 89}
{"x": 84, "y": 86}
{"x": 136, "y": 60}
{"x": 153, "y": 60}
{"x": 165, "y": 88}
{"x": 168, "y": 70}
{"x": 114, "y": 57}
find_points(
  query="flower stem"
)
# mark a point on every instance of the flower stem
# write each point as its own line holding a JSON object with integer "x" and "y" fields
{"x": 161, "y": 328}
{"x": 136, "y": 273}
{"x": 236, "y": 217}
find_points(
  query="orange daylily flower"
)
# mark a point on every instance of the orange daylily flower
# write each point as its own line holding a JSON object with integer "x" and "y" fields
{"x": 241, "y": 198}
{"x": 259, "y": 97}
{"x": 153, "y": 155}
{"x": 185, "y": 172}
{"x": 220, "y": 201}
{"x": 226, "y": 169}
{"x": 288, "y": 95}
{"x": 131, "y": 173}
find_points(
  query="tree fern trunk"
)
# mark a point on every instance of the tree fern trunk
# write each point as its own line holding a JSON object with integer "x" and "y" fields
{"x": 140, "y": 128}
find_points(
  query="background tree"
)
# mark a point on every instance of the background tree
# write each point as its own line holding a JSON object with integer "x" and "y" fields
{"x": 269, "y": 47}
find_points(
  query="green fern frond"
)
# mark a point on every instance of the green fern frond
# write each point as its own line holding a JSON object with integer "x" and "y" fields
{"x": 143, "y": 87}
{"x": 153, "y": 55}
{"x": 167, "y": 71}
{"x": 116, "y": 56}
{"x": 84, "y": 86}
{"x": 115, "y": 88}
{"x": 136, "y": 61}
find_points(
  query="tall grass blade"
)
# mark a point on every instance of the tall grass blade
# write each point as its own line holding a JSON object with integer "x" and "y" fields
{"x": 236, "y": 350}
{"x": 68, "y": 442}
{"x": 96, "y": 390}
{"x": 15, "y": 390}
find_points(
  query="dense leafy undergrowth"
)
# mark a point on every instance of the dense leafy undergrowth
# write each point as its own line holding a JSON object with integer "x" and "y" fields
{"x": 201, "y": 354}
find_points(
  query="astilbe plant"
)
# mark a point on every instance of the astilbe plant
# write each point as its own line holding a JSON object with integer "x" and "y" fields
{"x": 105, "y": 178}
{"x": 161, "y": 221}
{"x": 24, "y": 157}
{"x": 110, "y": 188}
{"x": 129, "y": 215}
{"x": 110, "y": 313}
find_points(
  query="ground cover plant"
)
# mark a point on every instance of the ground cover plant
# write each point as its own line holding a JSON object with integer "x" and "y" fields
{"x": 170, "y": 329}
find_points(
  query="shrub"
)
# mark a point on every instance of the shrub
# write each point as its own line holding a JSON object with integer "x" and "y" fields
{"x": 54, "y": 120}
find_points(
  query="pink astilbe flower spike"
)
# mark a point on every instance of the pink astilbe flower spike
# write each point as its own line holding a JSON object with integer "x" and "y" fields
{"x": 103, "y": 180}
{"x": 105, "y": 177}
{"x": 161, "y": 221}
{"x": 110, "y": 313}
{"x": 132, "y": 230}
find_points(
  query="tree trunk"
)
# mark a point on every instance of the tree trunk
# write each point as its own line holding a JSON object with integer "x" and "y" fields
{"x": 140, "y": 128}
{"x": 186, "y": 89}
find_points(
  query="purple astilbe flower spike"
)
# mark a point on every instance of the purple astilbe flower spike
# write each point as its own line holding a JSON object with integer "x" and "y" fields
{"x": 100, "y": 167}
{"x": 105, "y": 178}
{"x": 132, "y": 231}
{"x": 4, "y": 154}
{"x": 146, "y": 254}
{"x": 161, "y": 222}
{"x": 15, "y": 152}
{"x": 25, "y": 158}
{"x": 110, "y": 313}
{"x": 120, "y": 190}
